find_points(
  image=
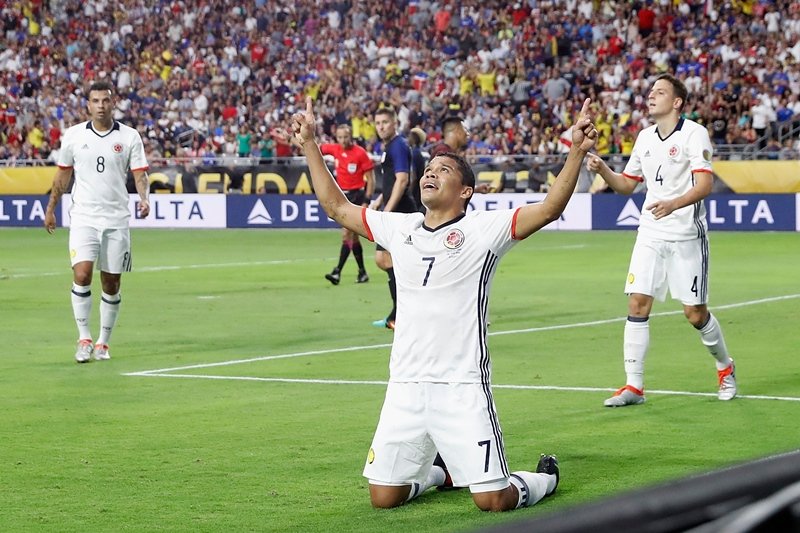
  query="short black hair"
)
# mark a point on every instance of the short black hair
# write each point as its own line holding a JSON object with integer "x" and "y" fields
{"x": 451, "y": 122}
{"x": 388, "y": 110}
{"x": 678, "y": 87}
{"x": 101, "y": 86}
{"x": 467, "y": 175}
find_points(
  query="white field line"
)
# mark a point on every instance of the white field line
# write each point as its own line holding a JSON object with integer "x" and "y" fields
{"x": 170, "y": 372}
{"x": 384, "y": 383}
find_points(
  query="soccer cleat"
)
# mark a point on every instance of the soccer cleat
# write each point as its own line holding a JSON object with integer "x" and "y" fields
{"x": 448, "y": 481}
{"x": 101, "y": 352}
{"x": 384, "y": 323}
{"x": 363, "y": 277}
{"x": 727, "y": 383}
{"x": 334, "y": 276}
{"x": 627, "y": 395}
{"x": 548, "y": 464}
{"x": 84, "y": 351}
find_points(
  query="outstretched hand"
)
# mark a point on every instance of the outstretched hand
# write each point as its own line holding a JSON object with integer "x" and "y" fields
{"x": 584, "y": 134}
{"x": 303, "y": 125}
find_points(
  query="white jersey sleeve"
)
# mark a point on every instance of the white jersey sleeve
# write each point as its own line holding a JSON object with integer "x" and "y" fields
{"x": 443, "y": 277}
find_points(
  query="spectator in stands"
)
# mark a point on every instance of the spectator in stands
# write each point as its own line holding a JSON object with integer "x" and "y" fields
{"x": 671, "y": 249}
{"x": 252, "y": 78}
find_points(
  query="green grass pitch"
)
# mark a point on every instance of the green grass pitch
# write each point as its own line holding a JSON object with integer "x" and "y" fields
{"x": 244, "y": 389}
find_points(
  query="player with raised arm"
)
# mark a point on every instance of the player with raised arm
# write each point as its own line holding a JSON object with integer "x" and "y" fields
{"x": 439, "y": 394}
{"x": 99, "y": 154}
{"x": 673, "y": 158}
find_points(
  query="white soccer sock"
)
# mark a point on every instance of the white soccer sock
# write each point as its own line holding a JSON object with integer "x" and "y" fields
{"x": 711, "y": 335}
{"x": 435, "y": 478}
{"x": 532, "y": 486}
{"x": 636, "y": 341}
{"x": 109, "y": 309}
{"x": 82, "y": 308}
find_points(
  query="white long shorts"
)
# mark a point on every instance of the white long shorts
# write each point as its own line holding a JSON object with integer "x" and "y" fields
{"x": 110, "y": 249}
{"x": 680, "y": 265}
{"x": 459, "y": 420}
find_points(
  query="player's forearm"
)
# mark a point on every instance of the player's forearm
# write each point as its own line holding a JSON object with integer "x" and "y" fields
{"x": 60, "y": 183}
{"x": 142, "y": 184}
{"x": 370, "y": 176}
{"x": 399, "y": 189}
{"x": 618, "y": 182}
{"x": 328, "y": 192}
{"x": 701, "y": 189}
{"x": 564, "y": 186}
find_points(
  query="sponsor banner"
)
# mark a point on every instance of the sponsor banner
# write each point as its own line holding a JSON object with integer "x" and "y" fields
{"x": 276, "y": 211}
{"x": 304, "y": 211}
{"x": 24, "y": 210}
{"x": 740, "y": 212}
{"x": 171, "y": 211}
{"x": 759, "y": 177}
{"x": 576, "y": 216}
{"x": 797, "y": 212}
{"x": 26, "y": 180}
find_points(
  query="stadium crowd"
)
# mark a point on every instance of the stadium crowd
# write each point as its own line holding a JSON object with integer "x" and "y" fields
{"x": 205, "y": 78}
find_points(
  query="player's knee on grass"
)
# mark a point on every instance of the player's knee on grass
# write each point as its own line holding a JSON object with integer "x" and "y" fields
{"x": 496, "y": 501}
{"x": 386, "y": 497}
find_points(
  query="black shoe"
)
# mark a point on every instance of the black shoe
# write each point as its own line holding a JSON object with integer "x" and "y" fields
{"x": 363, "y": 277}
{"x": 548, "y": 464}
{"x": 448, "y": 481}
{"x": 334, "y": 276}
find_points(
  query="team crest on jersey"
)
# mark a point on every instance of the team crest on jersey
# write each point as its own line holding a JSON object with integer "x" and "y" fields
{"x": 631, "y": 278}
{"x": 117, "y": 148}
{"x": 371, "y": 456}
{"x": 706, "y": 155}
{"x": 454, "y": 239}
{"x": 674, "y": 151}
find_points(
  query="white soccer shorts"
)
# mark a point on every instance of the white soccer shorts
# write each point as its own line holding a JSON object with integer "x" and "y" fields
{"x": 109, "y": 249}
{"x": 681, "y": 266}
{"x": 459, "y": 420}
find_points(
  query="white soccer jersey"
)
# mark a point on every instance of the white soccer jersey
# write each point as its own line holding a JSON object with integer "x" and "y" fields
{"x": 668, "y": 166}
{"x": 443, "y": 276}
{"x": 100, "y": 162}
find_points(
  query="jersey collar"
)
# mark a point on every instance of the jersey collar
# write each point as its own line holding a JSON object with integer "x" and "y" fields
{"x": 678, "y": 127}
{"x": 459, "y": 217}
{"x": 114, "y": 127}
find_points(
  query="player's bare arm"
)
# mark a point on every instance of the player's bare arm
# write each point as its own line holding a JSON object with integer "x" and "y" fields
{"x": 142, "y": 183}
{"x": 532, "y": 218}
{"x": 618, "y": 183}
{"x": 369, "y": 175}
{"x": 60, "y": 184}
{"x": 399, "y": 189}
{"x": 701, "y": 189}
{"x": 330, "y": 196}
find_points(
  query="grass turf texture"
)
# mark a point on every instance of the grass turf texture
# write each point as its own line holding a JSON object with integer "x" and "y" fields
{"x": 88, "y": 448}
